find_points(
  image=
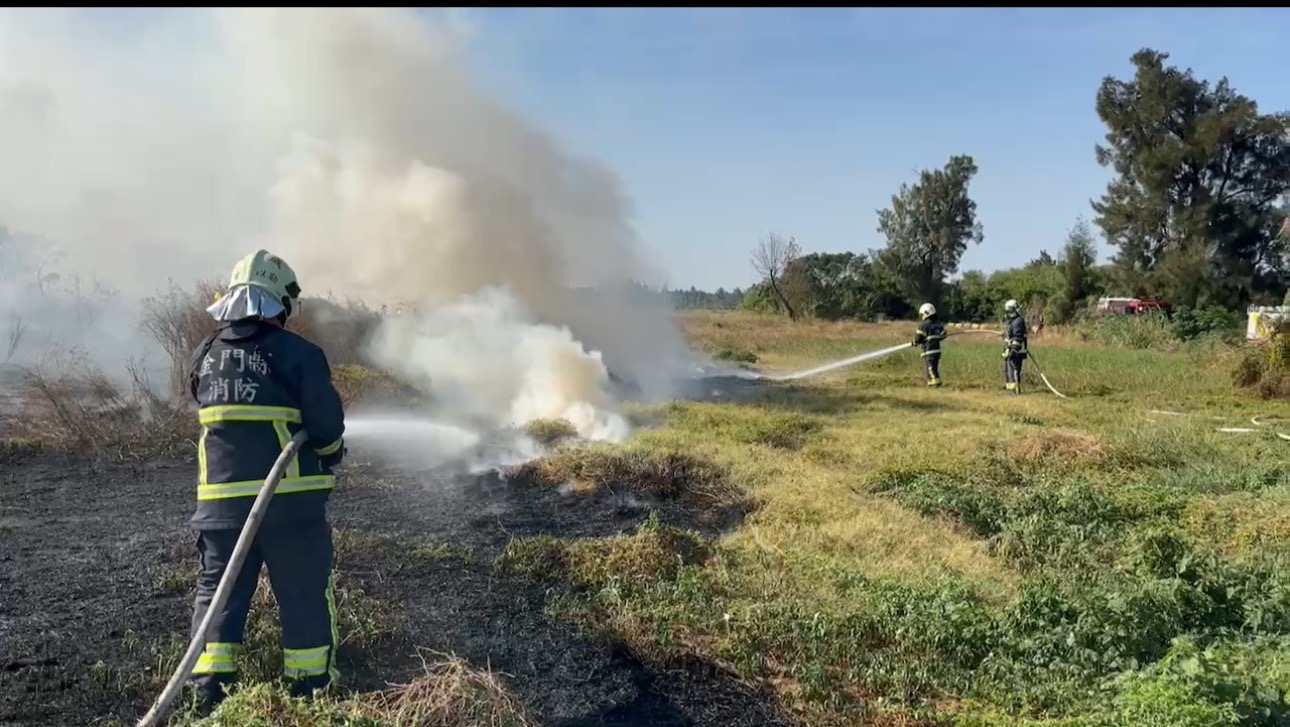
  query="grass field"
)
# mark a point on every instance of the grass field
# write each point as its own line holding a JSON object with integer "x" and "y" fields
{"x": 850, "y": 549}
{"x": 963, "y": 554}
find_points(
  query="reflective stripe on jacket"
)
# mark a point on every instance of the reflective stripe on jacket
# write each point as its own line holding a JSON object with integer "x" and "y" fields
{"x": 1015, "y": 334}
{"x": 929, "y": 335}
{"x": 257, "y": 385}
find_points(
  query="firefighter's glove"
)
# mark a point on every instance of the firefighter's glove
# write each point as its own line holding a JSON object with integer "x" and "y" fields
{"x": 333, "y": 459}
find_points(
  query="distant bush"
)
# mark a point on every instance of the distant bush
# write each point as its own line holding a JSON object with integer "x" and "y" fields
{"x": 1151, "y": 330}
{"x": 1206, "y": 324}
{"x": 1207, "y": 321}
{"x": 1265, "y": 369}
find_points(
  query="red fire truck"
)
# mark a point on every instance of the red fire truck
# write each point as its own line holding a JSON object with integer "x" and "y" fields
{"x": 1131, "y": 306}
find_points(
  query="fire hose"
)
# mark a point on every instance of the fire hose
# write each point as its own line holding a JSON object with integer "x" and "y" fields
{"x": 225, "y": 589}
{"x": 1030, "y": 355}
{"x": 1258, "y": 422}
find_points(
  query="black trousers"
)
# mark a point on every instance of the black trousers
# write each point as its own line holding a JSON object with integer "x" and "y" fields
{"x": 1012, "y": 370}
{"x": 299, "y": 560}
{"x": 932, "y": 360}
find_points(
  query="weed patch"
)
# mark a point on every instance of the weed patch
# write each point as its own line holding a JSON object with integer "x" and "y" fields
{"x": 550, "y": 432}
{"x": 1079, "y": 623}
{"x": 655, "y": 551}
{"x": 361, "y": 385}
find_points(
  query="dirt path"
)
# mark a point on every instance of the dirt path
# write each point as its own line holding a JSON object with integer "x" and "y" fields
{"x": 85, "y": 549}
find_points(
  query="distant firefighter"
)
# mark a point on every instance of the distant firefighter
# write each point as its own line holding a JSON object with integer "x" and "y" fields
{"x": 1014, "y": 352}
{"x": 929, "y": 335}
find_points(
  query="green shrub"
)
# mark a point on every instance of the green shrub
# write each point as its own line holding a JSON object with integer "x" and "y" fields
{"x": 1189, "y": 324}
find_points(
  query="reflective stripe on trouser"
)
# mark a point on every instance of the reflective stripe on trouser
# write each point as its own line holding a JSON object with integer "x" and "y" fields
{"x": 1012, "y": 371}
{"x": 217, "y": 658}
{"x": 932, "y": 360}
{"x": 299, "y": 558}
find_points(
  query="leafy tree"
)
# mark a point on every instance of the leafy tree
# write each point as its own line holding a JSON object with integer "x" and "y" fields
{"x": 1041, "y": 261}
{"x": 848, "y": 285}
{"x": 1193, "y": 212}
{"x": 772, "y": 259}
{"x": 1079, "y": 255}
{"x": 972, "y": 299}
{"x": 928, "y": 228}
{"x": 759, "y": 299}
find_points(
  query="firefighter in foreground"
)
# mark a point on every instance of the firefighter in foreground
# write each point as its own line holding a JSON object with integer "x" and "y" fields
{"x": 1014, "y": 352}
{"x": 929, "y": 335}
{"x": 257, "y": 385}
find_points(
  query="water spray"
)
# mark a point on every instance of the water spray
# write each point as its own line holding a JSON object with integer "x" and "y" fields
{"x": 840, "y": 364}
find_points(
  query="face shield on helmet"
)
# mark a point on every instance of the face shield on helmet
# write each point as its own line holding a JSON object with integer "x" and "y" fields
{"x": 926, "y": 310}
{"x": 270, "y": 275}
{"x": 1010, "y": 306}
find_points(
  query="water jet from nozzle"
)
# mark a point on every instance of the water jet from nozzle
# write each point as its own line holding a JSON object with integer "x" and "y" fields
{"x": 840, "y": 364}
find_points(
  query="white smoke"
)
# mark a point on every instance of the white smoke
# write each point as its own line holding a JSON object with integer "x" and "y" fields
{"x": 167, "y": 144}
{"x": 485, "y": 357}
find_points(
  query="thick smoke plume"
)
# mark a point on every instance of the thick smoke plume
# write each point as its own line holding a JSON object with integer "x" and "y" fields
{"x": 166, "y": 144}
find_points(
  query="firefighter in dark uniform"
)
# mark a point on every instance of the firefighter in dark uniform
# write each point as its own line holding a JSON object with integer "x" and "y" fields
{"x": 929, "y": 335}
{"x": 257, "y": 385}
{"x": 1015, "y": 351}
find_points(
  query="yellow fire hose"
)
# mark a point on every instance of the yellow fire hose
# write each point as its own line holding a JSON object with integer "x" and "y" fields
{"x": 225, "y": 589}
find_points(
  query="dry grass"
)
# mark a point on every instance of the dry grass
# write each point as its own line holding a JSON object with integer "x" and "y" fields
{"x": 341, "y": 330}
{"x": 450, "y": 694}
{"x": 664, "y": 474}
{"x": 79, "y": 408}
{"x": 359, "y": 384}
{"x": 17, "y": 332}
{"x": 70, "y": 403}
{"x": 177, "y": 320}
{"x": 1242, "y": 523}
{"x": 1265, "y": 368}
{"x": 1058, "y": 445}
{"x": 654, "y": 552}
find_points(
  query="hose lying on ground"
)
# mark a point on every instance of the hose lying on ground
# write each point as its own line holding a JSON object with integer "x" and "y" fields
{"x": 1033, "y": 360}
{"x": 1044, "y": 378}
{"x": 225, "y": 589}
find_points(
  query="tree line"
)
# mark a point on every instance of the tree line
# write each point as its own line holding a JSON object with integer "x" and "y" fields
{"x": 1197, "y": 215}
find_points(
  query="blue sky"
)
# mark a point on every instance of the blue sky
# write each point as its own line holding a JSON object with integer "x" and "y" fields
{"x": 726, "y": 124}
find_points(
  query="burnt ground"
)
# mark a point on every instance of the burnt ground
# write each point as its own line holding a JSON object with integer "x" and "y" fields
{"x": 89, "y": 551}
